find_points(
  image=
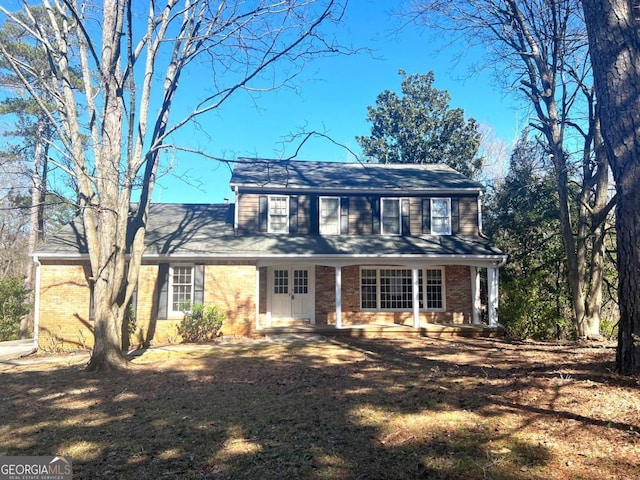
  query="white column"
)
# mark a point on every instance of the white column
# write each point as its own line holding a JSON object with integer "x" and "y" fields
{"x": 475, "y": 295}
{"x": 415, "y": 291}
{"x": 257, "y": 297}
{"x": 338, "y": 297}
{"x": 493, "y": 296}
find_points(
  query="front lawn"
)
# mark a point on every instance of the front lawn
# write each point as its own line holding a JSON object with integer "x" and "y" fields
{"x": 340, "y": 409}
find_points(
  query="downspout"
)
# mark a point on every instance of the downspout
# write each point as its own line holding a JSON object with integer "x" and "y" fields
{"x": 36, "y": 305}
{"x": 235, "y": 209}
{"x": 480, "y": 213}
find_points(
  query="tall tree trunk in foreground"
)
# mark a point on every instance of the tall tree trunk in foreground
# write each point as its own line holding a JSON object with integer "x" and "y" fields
{"x": 539, "y": 46}
{"x": 613, "y": 27}
{"x": 115, "y": 71}
{"x": 36, "y": 213}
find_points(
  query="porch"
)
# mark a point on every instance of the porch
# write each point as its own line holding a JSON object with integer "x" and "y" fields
{"x": 379, "y": 330}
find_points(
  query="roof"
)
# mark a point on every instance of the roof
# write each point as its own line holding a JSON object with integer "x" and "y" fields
{"x": 202, "y": 231}
{"x": 265, "y": 175}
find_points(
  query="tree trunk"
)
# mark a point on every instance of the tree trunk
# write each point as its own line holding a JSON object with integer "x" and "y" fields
{"x": 107, "y": 352}
{"x": 108, "y": 242}
{"x": 36, "y": 214}
{"x": 614, "y": 39}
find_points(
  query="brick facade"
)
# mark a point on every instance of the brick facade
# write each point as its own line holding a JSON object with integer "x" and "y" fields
{"x": 66, "y": 325}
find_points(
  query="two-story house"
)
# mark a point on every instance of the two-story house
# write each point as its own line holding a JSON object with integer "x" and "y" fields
{"x": 324, "y": 244}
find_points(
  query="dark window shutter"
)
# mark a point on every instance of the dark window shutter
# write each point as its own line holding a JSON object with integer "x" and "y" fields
{"x": 344, "y": 215}
{"x": 92, "y": 308}
{"x": 375, "y": 214}
{"x": 198, "y": 284}
{"x": 455, "y": 216}
{"x": 163, "y": 291}
{"x": 426, "y": 215}
{"x": 406, "y": 224}
{"x": 263, "y": 212}
{"x": 293, "y": 214}
{"x": 133, "y": 301}
{"x": 314, "y": 215}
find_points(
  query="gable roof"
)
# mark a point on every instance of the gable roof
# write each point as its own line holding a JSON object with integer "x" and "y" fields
{"x": 205, "y": 231}
{"x": 301, "y": 175}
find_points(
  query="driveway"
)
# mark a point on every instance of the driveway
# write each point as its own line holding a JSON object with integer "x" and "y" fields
{"x": 15, "y": 349}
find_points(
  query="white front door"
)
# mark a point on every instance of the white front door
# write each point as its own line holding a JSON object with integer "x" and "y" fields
{"x": 292, "y": 293}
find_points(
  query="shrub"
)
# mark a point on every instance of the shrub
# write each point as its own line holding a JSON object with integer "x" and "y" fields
{"x": 201, "y": 323}
{"x": 13, "y": 305}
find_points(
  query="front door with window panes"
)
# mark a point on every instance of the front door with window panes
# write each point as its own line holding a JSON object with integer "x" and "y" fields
{"x": 292, "y": 293}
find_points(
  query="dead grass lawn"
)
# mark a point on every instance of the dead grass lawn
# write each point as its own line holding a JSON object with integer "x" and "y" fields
{"x": 342, "y": 409}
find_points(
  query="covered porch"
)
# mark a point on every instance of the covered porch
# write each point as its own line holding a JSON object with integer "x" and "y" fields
{"x": 335, "y": 293}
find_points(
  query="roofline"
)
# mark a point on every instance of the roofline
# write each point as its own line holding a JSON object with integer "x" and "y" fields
{"x": 299, "y": 258}
{"x": 284, "y": 190}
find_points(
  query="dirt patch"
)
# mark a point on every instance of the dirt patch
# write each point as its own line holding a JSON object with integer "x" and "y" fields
{"x": 345, "y": 408}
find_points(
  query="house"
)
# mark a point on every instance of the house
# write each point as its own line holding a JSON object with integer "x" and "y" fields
{"x": 324, "y": 244}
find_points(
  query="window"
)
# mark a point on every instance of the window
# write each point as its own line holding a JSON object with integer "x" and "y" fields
{"x": 281, "y": 281}
{"x": 180, "y": 287}
{"x": 435, "y": 289}
{"x": 301, "y": 281}
{"x": 329, "y": 215}
{"x": 395, "y": 289}
{"x": 383, "y": 288}
{"x": 441, "y": 216}
{"x": 368, "y": 289}
{"x": 278, "y": 214}
{"x": 390, "y": 216}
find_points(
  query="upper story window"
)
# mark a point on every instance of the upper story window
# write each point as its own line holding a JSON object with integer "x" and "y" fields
{"x": 278, "y": 218}
{"x": 391, "y": 224}
{"x": 329, "y": 215}
{"x": 180, "y": 287}
{"x": 441, "y": 216}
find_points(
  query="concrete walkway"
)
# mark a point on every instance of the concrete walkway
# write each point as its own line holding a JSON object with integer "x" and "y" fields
{"x": 15, "y": 349}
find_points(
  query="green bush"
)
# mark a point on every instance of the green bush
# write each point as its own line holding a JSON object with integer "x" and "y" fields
{"x": 13, "y": 306}
{"x": 201, "y": 323}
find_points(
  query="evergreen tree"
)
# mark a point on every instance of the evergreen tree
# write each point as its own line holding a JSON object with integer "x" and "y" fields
{"x": 419, "y": 127}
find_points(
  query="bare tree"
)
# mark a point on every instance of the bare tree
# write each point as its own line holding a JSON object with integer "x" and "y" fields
{"x": 133, "y": 61}
{"x": 614, "y": 38}
{"x": 539, "y": 47}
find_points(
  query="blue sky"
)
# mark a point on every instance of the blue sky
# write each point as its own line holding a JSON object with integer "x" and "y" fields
{"x": 332, "y": 96}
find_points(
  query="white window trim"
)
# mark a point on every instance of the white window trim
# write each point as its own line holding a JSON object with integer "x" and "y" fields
{"x": 396, "y": 199}
{"x": 338, "y": 220}
{"x": 424, "y": 308}
{"x": 170, "y": 309}
{"x": 269, "y": 203}
{"x": 433, "y": 232}
{"x": 444, "y": 290}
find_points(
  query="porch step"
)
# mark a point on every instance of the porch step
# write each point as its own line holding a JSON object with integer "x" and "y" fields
{"x": 387, "y": 330}
{"x": 293, "y": 322}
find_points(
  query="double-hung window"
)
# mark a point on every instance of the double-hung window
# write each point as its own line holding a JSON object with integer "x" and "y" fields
{"x": 391, "y": 224}
{"x": 329, "y": 215}
{"x": 180, "y": 287}
{"x": 391, "y": 289}
{"x": 278, "y": 218}
{"x": 441, "y": 216}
